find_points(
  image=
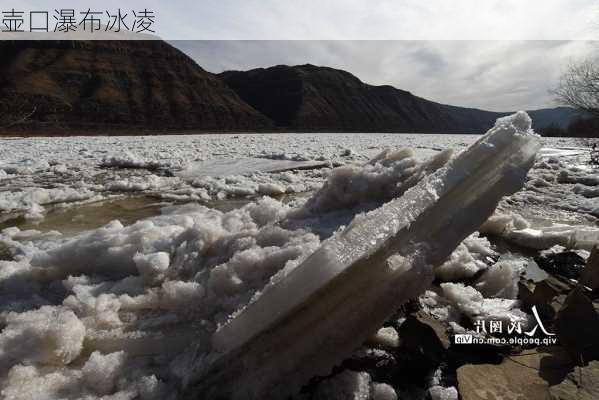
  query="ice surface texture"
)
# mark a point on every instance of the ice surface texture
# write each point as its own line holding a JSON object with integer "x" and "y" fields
{"x": 106, "y": 311}
{"x": 302, "y": 325}
{"x": 383, "y": 178}
{"x": 134, "y": 297}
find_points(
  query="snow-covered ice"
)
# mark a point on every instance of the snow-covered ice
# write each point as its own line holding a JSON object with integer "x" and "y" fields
{"x": 123, "y": 310}
{"x": 386, "y": 255}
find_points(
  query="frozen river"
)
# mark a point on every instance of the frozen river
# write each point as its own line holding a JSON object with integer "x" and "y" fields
{"x": 120, "y": 257}
{"x": 38, "y": 175}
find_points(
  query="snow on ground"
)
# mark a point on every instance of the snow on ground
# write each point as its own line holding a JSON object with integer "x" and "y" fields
{"x": 108, "y": 311}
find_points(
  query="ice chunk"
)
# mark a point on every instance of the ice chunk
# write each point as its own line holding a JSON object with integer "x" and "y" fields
{"x": 138, "y": 184}
{"x": 153, "y": 316}
{"x": 48, "y": 335}
{"x": 26, "y": 382}
{"x": 128, "y": 159}
{"x": 443, "y": 393}
{"x": 239, "y": 166}
{"x": 386, "y": 176}
{"x": 439, "y": 307}
{"x": 382, "y": 391}
{"x": 385, "y": 337}
{"x": 515, "y": 229}
{"x": 500, "y": 280}
{"x": 150, "y": 388}
{"x": 519, "y": 121}
{"x": 472, "y": 304}
{"x": 348, "y": 385}
{"x": 465, "y": 298}
{"x": 500, "y": 223}
{"x": 101, "y": 372}
{"x": 178, "y": 294}
{"x": 298, "y": 327}
{"x": 32, "y": 200}
{"x": 152, "y": 266}
{"x": 110, "y": 250}
{"x": 471, "y": 256}
{"x": 271, "y": 189}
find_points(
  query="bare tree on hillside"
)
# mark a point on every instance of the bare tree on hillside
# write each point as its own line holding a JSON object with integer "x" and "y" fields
{"x": 579, "y": 87}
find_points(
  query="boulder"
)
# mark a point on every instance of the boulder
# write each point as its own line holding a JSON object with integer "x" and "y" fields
{"x": 590, "y": 275}
{"x": 520, "y": 376}
{"x": 577, "y": 326}
{"x": 347, "y": 385}
{"x": 568, "y": 264}
{"x": 580, "y": 384}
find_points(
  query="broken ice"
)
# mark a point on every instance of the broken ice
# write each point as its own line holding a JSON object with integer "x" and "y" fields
{"x": 297, "y": 327}
{"x": 173, "y": 298}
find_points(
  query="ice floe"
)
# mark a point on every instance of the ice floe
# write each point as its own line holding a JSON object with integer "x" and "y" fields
{"x": 135, "y": 311}
{"x": 398, "y": 242}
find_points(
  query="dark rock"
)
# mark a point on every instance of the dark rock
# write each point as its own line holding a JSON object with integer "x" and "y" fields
{"x": 590, "y": 274}
{"x": 424, "y": 345}
{"x": 544, "y": 293}
{"x": 380, "y": 364}
{"x": 419, "y": 334}
{"x": 536, "y": 294}
{"x": 131, "y": 86}
{"x": 581, "y": 384}
{"x": 567, "y": 264}
{"x": 439, "y": 329}
{"x": 517, "y": 377}
{"x": 577, "y": 327}
{"x": 541, "y": 296}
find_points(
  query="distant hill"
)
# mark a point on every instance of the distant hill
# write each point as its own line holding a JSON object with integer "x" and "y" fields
{"x": 101, "y": 86}
{"x": 560, "y": 117}
{"x": 307, "y": 97}
{"x": 104, "y": 87}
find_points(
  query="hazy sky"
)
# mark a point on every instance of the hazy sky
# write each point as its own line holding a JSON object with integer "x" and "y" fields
{"x": 353, "y": 19}
{"x": 444, "y": 50}
{"x": 493, "y": 75}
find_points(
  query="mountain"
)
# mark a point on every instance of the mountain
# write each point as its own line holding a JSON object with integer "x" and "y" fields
{"x": 560, "y": 117}
{"x": 311, "y": 98}
{"x": 148, "y": 86}
{"x": 106, "y": 86}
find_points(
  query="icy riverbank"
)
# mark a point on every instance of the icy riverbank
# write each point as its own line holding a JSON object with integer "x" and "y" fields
{"x": 124, "y": 311}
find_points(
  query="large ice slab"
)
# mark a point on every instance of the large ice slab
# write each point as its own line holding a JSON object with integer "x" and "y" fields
{"x": 241, "y": 166}
{"x": 507, "y": 227}
{"x": 303, "y": 324}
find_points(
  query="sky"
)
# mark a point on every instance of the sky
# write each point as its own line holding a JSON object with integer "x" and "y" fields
{"x": 493, "y": 54}
{"x": 492, "y": 75}
{"x": 352, "y": 19}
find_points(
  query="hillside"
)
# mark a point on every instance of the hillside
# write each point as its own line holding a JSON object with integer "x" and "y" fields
{"x": 307, "y": 97}
{"x": 105, "y": 86}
